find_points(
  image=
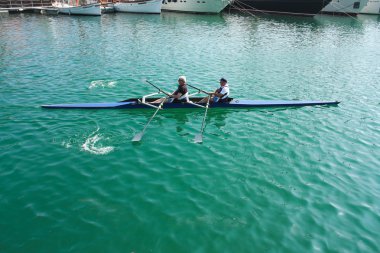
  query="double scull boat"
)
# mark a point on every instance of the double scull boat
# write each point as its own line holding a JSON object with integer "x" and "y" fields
{"x": 141, "y": 103}
{"x": 192, "y": 102}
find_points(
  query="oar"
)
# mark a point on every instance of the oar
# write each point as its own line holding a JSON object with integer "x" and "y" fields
{"x": 158, "y": 88}
{"x": 198, "y": 137}
{"x": 198, "y": 89}
{"x": 138, "y": 136}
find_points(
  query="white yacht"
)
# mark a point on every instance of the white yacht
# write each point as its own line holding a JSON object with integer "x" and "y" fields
{"x": 372, "y": 7}
{"x": 344, "y": 7}
{"x": 72, "y": 7}
{"x": 139, "y": 6}
{"x": 195, "y": 6}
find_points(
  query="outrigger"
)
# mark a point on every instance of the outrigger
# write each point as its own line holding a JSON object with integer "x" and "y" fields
{"x": 146, "y": 102}
{"x": 193, "y": 102}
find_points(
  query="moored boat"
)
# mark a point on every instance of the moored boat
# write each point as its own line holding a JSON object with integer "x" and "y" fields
{"x": 195, "y": 6}
{"x": 289, "y": 7}
{"x": 141, "y": 103}
{"x": 139, "y": 6}
{"x": 107, "y": 8}
{"x": 49, "y": 11}
{"x": 344, "y": 7}
{"x": 70, "y": 7}
{"x": 372, "y": 7}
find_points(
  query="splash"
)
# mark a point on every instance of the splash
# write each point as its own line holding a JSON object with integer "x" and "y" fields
{"x": 90, "y": 145}
{"x": 66, "y": 144}
{"x": 102, "y": 83}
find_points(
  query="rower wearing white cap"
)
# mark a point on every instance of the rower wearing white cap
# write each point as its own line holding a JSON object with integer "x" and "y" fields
{"x": 179, "y": 95}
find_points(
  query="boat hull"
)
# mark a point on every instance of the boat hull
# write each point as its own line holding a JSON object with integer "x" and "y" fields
{"x": 345, "y": 7}
{"x": 234, "y": 103}
{"x": 293, "y": 7}
{"x": 109, "y": 8}
{"x": 150, "y": 6}
{"x": 372, "y": 7}
{"x": 86, "y": 10}
{"x": 195, "y": 6}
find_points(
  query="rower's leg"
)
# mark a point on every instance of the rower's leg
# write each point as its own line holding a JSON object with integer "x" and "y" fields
{"x": 203, "y": 100}
{"x": 157, "y": 101}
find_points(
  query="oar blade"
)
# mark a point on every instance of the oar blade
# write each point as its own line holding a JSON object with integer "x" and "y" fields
{"x": 198, "y": 138}
{"x": 137, "y": 137}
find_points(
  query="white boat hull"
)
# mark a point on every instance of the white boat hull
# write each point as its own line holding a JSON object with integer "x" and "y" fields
{"x": 195, "y": 6}
{"x": 90, "y": 10}
{"x": 350, "y": 7}
{"x": 149, "y": 6}
{"x": 372, "y": 7}
{"x": 107, "y": 9}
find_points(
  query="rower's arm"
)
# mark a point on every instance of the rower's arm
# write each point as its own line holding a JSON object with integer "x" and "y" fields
{"x": 178, "y": 95}
{"x": 212, "y": 93}
{"x": 218, "y": 94}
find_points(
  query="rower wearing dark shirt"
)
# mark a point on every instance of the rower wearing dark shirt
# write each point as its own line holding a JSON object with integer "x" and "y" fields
{"x": 179, "y": 95}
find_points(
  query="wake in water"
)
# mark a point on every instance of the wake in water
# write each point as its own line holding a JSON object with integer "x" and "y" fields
{"x": 66, "y": 144}
{"x": 91, "y": 144}
{"x": 102, "y": 83}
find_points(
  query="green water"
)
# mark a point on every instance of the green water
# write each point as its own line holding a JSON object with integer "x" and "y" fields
{"x": 264, "y": 180}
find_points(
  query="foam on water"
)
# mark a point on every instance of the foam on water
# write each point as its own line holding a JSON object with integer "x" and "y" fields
{"x": 92, "y": 146}
{"x": 102, "y": 84}
{"x": 66, "y": 144}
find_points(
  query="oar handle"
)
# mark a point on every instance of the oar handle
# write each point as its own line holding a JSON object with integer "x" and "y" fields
{"x": 208, "y": 93}
{"x": 158, "y": 88}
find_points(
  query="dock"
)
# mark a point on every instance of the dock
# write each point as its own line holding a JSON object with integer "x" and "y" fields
{"x": 27, "y": 6}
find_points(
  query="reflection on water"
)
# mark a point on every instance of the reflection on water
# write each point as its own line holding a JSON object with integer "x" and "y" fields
{"x": 218, "y": 118}
{"x": 181, "y": 120}
{"x": 338, "y": 21}
{"x": 186, "y": 18}
{"x": 369, "y": 18}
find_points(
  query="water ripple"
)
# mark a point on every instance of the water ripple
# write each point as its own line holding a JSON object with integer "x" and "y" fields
{"x": 285, "y": 180}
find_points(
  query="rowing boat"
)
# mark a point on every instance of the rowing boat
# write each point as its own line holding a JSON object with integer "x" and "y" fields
{"x": 148, "y": 101}
{"x": 141, "y": 103}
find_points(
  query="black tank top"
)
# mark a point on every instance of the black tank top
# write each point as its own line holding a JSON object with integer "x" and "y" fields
{"x": 181, "y": 89}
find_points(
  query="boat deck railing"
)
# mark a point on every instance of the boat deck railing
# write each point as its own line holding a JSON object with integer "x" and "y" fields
{"x": 12, "y": 4}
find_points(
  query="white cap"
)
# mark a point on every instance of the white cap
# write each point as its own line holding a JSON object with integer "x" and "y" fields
{"x": 182, "y": 78}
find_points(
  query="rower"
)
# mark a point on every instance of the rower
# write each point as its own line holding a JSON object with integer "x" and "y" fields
{"x": 179, "y": 95}
{"x": 219, "y": 95}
